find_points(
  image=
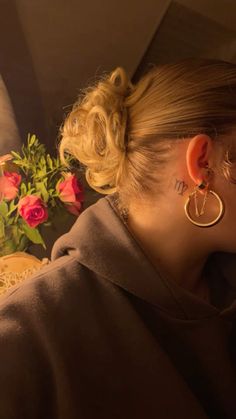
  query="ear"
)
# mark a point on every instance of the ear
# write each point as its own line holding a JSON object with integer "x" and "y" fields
{"x": 198, "y": 154}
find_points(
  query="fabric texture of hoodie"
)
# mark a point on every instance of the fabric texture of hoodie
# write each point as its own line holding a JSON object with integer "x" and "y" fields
{"x": 100, "y": 334}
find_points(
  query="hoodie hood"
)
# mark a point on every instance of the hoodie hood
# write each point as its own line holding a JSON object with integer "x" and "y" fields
{"x": 101, "y": 241}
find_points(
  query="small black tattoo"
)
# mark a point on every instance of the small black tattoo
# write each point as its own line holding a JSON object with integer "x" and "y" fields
{"x": 180, "y": 186}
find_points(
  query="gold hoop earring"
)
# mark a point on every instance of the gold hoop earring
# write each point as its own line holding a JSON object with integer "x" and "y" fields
{"x": 186, "y": 206}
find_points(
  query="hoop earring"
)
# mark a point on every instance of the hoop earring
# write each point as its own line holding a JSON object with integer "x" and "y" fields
{"x": 194, "y": 193}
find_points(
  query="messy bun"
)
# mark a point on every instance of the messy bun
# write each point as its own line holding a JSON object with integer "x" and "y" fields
{"x": 123, "y": 133}
{"x": 95, "y": 131}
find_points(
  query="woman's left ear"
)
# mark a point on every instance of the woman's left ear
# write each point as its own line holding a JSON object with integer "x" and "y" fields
{"x": 198, "y": 157}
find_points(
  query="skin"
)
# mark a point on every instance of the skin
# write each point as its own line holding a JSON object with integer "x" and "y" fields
{"x": 175, "y": 246}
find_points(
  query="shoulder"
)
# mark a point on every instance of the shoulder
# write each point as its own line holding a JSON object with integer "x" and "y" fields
{"x": 52, "y": 277}
{"x": 56, "y": 300}
{"x": 47, "y": 290}
{"x": 30, "y": 332}
{"x": 33, "y": 306}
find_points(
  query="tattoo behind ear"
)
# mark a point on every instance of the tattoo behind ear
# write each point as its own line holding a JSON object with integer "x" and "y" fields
{"x": 180, "y": 186}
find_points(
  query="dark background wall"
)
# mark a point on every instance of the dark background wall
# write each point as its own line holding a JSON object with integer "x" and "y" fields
{"x": 51, "y": 49}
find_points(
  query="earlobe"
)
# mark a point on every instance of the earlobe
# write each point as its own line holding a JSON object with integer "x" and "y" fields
{"x": 197, "y": 157}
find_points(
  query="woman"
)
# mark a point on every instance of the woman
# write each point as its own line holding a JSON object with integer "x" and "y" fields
{"x": 135, "y": 315}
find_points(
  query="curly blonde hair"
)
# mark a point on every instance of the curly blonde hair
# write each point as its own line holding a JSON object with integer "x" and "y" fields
{"x": 123, "y": 133}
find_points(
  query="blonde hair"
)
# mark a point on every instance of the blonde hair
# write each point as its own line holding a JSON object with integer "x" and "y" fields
{"x": 122, "y": 133}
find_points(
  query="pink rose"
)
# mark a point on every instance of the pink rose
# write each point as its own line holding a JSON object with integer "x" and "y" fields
{"x": 9, "y": 183}
{"x": 71, "y": 191}
{"x": 33, "y": 210}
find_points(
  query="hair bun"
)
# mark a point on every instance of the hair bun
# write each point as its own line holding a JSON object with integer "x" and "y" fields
{"x": 95, "y": 130}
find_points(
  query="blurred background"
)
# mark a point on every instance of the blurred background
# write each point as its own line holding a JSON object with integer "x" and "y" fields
{"x": 49, "y": 50}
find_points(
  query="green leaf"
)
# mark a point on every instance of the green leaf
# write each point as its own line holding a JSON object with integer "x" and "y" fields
{"x": 40, "y": 187}
{"x": 42, "y": 161}
{"x": 23, "y": 149}
{"x": 3, "y": 209}
{"x": 49, "y": 162}
{"x": 12, "y": 208}
{"x": 2, "y": 227}
{"x": 30, "y": 191}
{"x": 30, "y": 188}
{"x": 9, "y": 243}
{"x": 57, "y": 162}
{"x": 16, "y": 155}
{"x": 23, "y": 244}
{"x": 33, "y": 234}
{"x": 7, "y": 247}
{"x": 12, "y": 205}
{"x": 31, "y": 140}
{"x": 23, "y": 188}
{"x": 41, "y": 172}
{"x": 11, "y": 220}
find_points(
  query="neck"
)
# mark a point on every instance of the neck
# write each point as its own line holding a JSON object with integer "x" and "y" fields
{"x": 177, "y": 250}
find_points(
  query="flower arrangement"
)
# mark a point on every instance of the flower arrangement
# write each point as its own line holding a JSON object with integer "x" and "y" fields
{"x": 34, "y": 187}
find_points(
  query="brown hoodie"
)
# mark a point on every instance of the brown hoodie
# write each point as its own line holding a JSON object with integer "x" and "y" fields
{"x": 99, "y": 334}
